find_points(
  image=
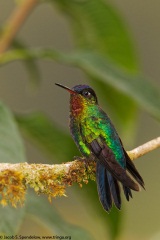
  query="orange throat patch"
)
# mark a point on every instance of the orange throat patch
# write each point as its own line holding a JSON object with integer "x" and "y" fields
{"x": 76, "y": 104}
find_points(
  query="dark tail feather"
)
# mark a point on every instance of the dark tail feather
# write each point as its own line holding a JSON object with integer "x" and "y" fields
{"x": 132, "y": 169}
{"x": 127, "y": 192}
{"x": 103, "y": 187}
{"x": 115, "y": 190}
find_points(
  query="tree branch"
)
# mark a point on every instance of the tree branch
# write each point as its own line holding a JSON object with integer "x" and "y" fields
{"x": 52, "y": 179}
{"x": 144, "y": 149}
{"x": 14, "y": 23}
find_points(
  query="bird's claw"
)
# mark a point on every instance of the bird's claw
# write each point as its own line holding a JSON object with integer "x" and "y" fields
{"x": 85, "y": 160}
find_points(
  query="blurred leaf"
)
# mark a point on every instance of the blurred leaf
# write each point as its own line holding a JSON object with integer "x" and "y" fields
{"x": 40, "y": 208}
{"x": 34, "y": 74}
{"x": 11, "y": 219}
{"x": 138, "y": 88}
{"x": 48, "y": 136}
{"x": 31, "y": 65}
{"x": 11, "y": 146}
{"x": 11, "y": 151}
{"x": 104, "y": 31}
{"x": 97, "y": 26}
{"x": 115, "y": 218}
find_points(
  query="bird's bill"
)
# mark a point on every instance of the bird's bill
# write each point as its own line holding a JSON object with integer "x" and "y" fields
{"x": 68, "y": 89}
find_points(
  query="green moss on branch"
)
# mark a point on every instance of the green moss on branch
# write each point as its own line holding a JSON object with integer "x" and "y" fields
{"x": 51, "y": 180}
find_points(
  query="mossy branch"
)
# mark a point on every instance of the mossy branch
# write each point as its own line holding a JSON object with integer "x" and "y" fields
{"x": 52, "y": 179}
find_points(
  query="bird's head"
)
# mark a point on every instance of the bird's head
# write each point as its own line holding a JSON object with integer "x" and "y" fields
{"x": 81, "y": 96}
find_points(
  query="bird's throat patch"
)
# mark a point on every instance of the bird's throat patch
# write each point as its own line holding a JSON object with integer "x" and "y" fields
{"x": 77, "y": 104}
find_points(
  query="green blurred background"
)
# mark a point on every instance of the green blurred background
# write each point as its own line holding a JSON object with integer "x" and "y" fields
{"x": 48, "y": 27}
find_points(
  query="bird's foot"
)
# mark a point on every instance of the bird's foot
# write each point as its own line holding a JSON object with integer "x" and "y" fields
{"x": 83, "y": 159}
{"x": 88, "y": 162}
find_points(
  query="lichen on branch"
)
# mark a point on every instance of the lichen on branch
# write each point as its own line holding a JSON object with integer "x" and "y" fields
{"x": 52, "y": 180}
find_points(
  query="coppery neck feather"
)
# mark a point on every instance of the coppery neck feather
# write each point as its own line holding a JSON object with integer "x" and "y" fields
{"x": 76, "y": 105}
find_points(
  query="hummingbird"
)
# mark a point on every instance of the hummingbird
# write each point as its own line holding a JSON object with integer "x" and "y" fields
{"x": 98, "y": 140}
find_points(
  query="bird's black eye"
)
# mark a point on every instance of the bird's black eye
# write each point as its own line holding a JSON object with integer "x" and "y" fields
{"x": 86, "y": 94}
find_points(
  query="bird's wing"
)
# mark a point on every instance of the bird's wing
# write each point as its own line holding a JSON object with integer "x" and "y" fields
{"x": 107, "y": 158}
{"x": 133, "y": 171}
{"x": 102, "y": 139}
{"x": 103, "y": 187}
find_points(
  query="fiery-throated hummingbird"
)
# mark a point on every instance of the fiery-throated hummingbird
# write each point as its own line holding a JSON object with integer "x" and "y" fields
{"x": 96, "y": 138}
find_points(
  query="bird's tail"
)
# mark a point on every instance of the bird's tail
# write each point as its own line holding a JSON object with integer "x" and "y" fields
{"x": 127, "y": 192}
{"x": 108, "y": 188}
